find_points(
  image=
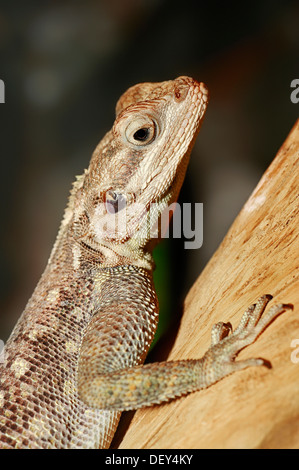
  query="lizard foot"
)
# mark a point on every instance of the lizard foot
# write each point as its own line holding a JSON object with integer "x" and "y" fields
{"x": 226, "y": 343}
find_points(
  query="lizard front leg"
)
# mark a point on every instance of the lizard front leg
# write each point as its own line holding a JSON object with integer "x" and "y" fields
{"x": 125, "y": 387}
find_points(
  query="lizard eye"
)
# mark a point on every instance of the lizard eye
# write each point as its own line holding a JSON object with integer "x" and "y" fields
{"x": 142, "y": 134}
{"x": 141, "y": 131}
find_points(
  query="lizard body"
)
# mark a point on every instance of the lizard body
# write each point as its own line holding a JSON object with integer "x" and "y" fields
{"x": 74, "y": 360}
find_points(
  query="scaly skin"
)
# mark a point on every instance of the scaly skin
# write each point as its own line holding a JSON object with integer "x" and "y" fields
{"x": 74, "y": 360}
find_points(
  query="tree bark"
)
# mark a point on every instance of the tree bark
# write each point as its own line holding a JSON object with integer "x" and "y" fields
{"x": 256, "y": 407}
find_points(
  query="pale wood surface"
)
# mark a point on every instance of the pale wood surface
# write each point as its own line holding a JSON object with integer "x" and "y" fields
{"x": 256, "y": 407}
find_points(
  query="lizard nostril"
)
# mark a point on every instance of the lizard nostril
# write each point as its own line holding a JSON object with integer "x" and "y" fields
{"x": 180, "y": 93}
{"x": 115, "y": 202}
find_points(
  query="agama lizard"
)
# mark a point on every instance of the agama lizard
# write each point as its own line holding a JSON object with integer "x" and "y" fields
{"x": 74, "y": 359}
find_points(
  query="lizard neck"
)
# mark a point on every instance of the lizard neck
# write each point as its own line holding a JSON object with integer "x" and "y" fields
{"x": 81, "y": 255}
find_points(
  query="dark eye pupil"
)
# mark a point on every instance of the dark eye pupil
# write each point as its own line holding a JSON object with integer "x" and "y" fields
{"x": 141, "y": 134}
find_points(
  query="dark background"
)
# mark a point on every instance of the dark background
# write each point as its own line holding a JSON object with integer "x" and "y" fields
{"x": 65, "y": 64}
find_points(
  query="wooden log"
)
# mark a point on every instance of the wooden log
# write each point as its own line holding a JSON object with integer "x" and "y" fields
{"x": 256, "y": 407}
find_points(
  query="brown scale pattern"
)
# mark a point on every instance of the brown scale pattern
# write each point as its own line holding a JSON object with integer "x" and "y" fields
{"x": 39, "y": 381}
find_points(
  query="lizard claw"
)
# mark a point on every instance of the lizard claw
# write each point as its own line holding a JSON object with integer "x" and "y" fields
{"x": 226, "y": 343}
{"x": 219, "y": 331}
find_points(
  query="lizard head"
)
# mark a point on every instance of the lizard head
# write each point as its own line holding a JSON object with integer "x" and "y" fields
{"x": 139, "y": 166}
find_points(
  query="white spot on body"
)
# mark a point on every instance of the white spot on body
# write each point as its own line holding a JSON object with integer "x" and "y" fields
{"x": 78, "y": 313}
{"x": 70, "y": 347}
{"x": 35, "y": 333}
{"x": 20, "y": 366}
{"x": 53, "y": 295}
{"x": 68, "y": 388}
{"x": 1, "y": 399}
{"x": 76, "y": 257}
